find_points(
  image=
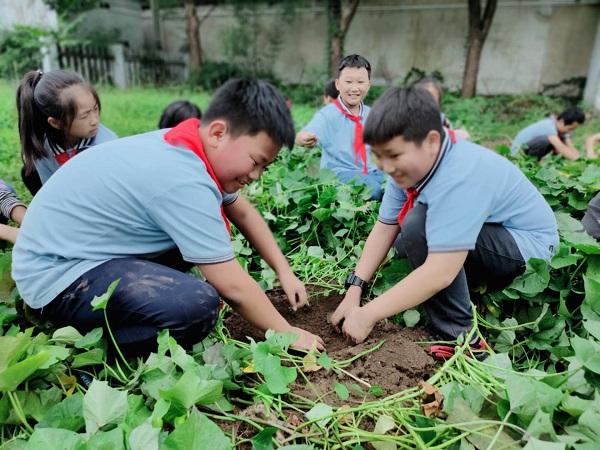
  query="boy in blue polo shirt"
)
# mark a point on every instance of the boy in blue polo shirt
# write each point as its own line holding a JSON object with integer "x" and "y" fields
{"x": 466, "y": 215}
{"x": 338, "y": 128}
{"x": 550, "y": 135}
{"x": 147, "y": 208}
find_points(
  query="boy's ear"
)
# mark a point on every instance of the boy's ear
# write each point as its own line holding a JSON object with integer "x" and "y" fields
{"x": 216, "y": 131}
{"x": 54, "y": 123}
{"x": 433, "y": 139}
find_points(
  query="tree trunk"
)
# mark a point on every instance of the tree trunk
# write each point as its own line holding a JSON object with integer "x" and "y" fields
{"x": 339, "y": 17}
{"x": 469, "y": 87}
{"x": 479, "y": 27}
{"x": 193, "y": 35}
{"x": 335, "y": 55}
{"x": 156, "y": 23}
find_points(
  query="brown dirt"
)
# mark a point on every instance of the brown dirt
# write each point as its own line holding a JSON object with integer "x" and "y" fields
{"x": 398, "y": 364}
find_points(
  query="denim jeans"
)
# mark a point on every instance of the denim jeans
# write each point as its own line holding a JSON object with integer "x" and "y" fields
{"x": 150, "y": 297}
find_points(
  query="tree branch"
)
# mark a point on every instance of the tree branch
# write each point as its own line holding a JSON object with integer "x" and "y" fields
{"x": 208, "y": 13}
{"x": 347, "y": 16}
{"x": 474, "y": 15}
{"x": 488, "y": 16}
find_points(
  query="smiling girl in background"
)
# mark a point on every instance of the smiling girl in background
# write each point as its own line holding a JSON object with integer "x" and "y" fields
{"x": 59, "y": 117}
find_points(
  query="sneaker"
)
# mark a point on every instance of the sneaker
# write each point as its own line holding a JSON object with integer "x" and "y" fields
{"x": 478, "y": 350}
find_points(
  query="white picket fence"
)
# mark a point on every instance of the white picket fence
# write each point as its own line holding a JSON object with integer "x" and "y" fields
{"x": 114, "y": 65}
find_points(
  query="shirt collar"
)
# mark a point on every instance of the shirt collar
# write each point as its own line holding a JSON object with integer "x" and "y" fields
{"x": 444, "y": 148}
{"x": 360, "y": 107}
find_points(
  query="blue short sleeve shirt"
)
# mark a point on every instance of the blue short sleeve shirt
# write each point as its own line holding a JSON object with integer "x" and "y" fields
{"x": 543, "y": 128}
{"x": 474, "y": 186}
{"x": 335, "y": 135}
{"x": 137, "y": 196}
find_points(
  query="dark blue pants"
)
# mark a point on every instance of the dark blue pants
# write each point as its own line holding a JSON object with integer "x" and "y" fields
{"x": 495, "y": 261}
{"x": 150, "y": 297}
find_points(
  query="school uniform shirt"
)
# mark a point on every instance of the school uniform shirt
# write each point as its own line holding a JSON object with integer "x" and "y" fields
{"x": 470, "y": 187}
{"x": 336, "y": 139}
{"x": 136, "y": 196}
{"x": 543, "y": 128}
{"x": 57, "y": 156}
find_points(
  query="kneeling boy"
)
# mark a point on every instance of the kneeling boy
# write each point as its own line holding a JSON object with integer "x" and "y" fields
{"x": 147, "y": 208}
{"x": 550, "y": 135}
{"x": 466, "y": 215}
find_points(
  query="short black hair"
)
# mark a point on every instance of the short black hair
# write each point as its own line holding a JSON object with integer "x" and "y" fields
{"x": 571, "y": 115}
{"x": 252, "y": 106}
{"x": 355, "y": 61}
{"x": 176, "y": 112}
{"x": 408, "y": 112}
{"x": 330, "y": 90}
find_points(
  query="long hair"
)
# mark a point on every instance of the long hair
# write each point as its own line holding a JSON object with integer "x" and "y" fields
{"x": 40, "y": 96}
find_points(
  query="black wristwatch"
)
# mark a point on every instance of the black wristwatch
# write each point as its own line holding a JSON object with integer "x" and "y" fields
{"x": 355, "y": 280}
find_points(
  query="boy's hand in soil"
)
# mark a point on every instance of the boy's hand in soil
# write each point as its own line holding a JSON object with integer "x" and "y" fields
{"x": 357, "y": 325}
{"x": 306, "y": 340}
{"x": 350, "y": 301}
{"x": 294, "y": 290}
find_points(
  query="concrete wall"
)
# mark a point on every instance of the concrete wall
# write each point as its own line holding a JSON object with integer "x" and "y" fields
{"x": 26, "y": 12}
{"x": 532, "y": 43}
{"x": 123, "y": 18}
{"x": 592, "y": 87}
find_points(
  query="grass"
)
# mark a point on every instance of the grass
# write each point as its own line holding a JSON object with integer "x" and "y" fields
{"x": 508, "y": 396}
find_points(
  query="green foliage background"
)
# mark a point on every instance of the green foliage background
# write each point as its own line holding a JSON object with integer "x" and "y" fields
{"x": 539, "y": 389}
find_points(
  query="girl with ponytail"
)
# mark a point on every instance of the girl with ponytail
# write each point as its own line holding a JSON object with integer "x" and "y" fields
{"x": 59, "y": 117}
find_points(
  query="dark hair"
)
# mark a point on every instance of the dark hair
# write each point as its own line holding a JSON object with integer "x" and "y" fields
{"x": 355, "y": 61}
{"x": 571, "y": 115}
{"x": 408, "y": 112}
{"x": 431, "y": 81}
{"x": 39, "y": 96}
{"x": 176, "y": 112}
{"x": 251, "y": 106}
{"x": 330, "y": 90}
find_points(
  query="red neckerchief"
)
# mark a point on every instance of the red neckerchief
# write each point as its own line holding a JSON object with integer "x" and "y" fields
{"x": 63, "y": 157}
{"x": 360, "y": 150}
{"x": 413, "y": 192}
{"x": 186, "y": 134}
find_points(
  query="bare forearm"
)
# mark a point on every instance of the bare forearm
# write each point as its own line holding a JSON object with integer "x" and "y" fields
{"x": 378, "y": 244}
{"x": 8, "y": 233}
{"x": 248, "y": 220}
{"x": 438, "y": 271}
{"x": 566, "y": 149}
{"x": 258, "y": 310}
{"x": 244, "y": 295}
{"x": 17, "y": 214}
{"x": 408, "y": 293}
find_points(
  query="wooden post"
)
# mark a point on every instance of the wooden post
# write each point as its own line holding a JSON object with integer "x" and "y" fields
{"x": 119, "y": 66}
{"x": 592, "y": 86}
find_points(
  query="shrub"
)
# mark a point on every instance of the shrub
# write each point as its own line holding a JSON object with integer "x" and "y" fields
{"x": 20, "y": 50}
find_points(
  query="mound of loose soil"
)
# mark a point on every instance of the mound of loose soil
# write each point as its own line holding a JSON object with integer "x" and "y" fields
{"x": 398, "y": 364}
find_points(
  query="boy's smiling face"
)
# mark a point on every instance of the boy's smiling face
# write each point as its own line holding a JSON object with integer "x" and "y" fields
{"x": 353, "y": 85}
{"x": 406, "y": 162}
{"x": 239, "y": 160}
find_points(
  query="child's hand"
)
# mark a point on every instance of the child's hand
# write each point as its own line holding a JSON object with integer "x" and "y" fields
{"x": 357, "y": 325}
{"x": 294, "y": 290}
{"x": 350, "y": 301}
{"x": 306, "y": 139}
{"x": 307, "y": 341}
